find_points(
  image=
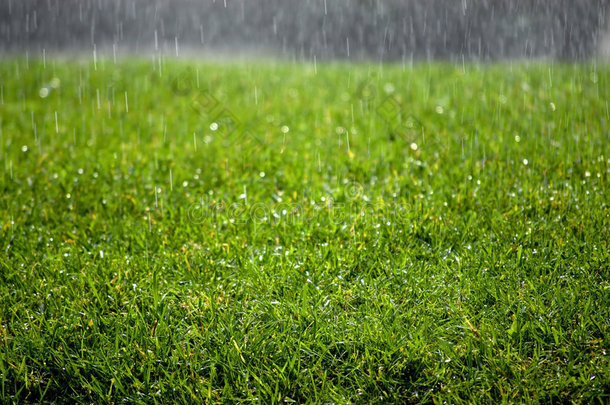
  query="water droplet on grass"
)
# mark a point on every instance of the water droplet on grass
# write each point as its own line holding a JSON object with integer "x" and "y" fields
{"x": 388, "y": 88}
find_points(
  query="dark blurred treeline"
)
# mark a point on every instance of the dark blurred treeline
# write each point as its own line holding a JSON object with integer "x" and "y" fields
{"x": 301, "y": 29}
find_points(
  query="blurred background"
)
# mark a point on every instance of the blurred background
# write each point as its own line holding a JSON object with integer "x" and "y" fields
{"x": 303, "y": 30}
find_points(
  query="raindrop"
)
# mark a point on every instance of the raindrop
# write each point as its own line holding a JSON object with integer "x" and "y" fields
{"x": 94, "y": 57}
{"x": 347, "y": 45}
{"x": 244, "y": 195}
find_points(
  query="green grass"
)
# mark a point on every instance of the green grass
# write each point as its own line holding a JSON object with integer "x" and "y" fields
{"x": 347, "y": 234}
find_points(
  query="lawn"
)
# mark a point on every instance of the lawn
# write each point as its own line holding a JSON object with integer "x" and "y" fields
{"x": 179, "y": 231}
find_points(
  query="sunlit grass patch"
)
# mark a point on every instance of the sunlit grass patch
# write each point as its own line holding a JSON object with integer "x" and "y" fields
{"x": 271, "y": 232}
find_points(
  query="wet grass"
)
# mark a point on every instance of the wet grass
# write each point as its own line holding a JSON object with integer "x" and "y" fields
{"x": 178, "y": 232}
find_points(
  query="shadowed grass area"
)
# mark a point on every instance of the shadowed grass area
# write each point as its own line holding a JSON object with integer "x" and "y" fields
{"x": 174, "y": 231}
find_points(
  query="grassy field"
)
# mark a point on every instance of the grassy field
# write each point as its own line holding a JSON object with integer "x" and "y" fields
{"x": 177, "y": 231}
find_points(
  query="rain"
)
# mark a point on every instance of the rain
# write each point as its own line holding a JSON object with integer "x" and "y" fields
{"x": 310, "y": 30}
{"x": 304, "y": 201}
